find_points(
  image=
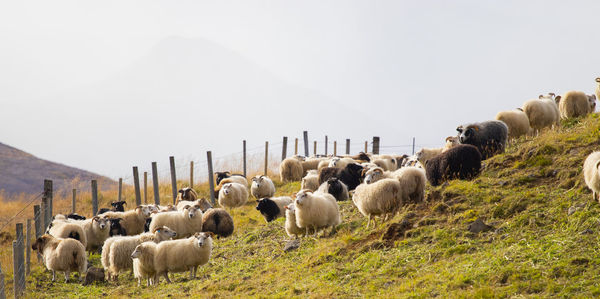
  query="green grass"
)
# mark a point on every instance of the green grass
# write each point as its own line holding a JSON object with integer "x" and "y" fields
{"x": 535, "y": 249}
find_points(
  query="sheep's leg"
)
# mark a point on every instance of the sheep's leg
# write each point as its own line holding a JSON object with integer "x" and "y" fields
{"x": 139, "y": 280}
{"x": 53, "y": 276}
{"x": 369, "y": 220}
{"x": 307, "y": 231}
{"x": 166, "y": 273}
{"x": 66, "y": 276}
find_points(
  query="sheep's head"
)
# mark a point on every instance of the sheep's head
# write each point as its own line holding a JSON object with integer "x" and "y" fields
{"x": 468, "y": 134}
{"x": 118, "y": 206}
{"x": 115, "y": 226}
{"x": 204, "y": 239}
{"x": 302, "y": 196}
{"x": 451, "y": 141}
{"x": 354, "y": 168}
{"x": 203, "y": 204}
{"x": 257, "y": 180}
{"x": 221, "y": 175}
{"x": 291, "y": 207}
{"x": 145, "y": 210}
{"x": 592, "y": 101}
{"x": 41, "y": 243}
{"x": 137, "y": 252}
{"x": 166, "y": 232}
{"x": 334, "y": 162}
{"x": 101, "y": 223}
{"x": 598, "y": 80}
{"x": 373, "y": 175}
{"x": 192, "y": 211}
{"x": 187, "y": 194}
{"x": 226, "y": 188}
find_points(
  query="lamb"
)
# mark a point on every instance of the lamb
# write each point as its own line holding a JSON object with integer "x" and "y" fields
{"x": 489, "y": 137}
{"x": 143, "y": 262}
{"x": 185, "y": 223}
{"x": 351, "y": 175}
{"x": 233, "y": 195}
{"x": 117, "y": 250}
{"x": 97, "y": 230}
{"x": 63, "y": 230}
{"x": 64, "y": 255}
{"x": 290, "y": 170}
{"x": 262, "y": 186}
{"x": 316, "y": 210}
{"x": 182, "y": 255}
{"x": 542, "y": 112}
{"x": 133, "y": 220}
{"x": 382, "y": 198}
{"x": 591, "y": 174}
{"x": 462, "y": 162}
{"x": 238, "y": 178}
{"x": 575, "y": 104}
{"x": 291, "y": 228}
{"x": 517, "y": 122}
{"x": 425, "y": 154}
{"x": 336, "y": 188}
{"x": 273, "y": 208}
{"x": 310, "y": 181}
{"x": 217, "y": 221}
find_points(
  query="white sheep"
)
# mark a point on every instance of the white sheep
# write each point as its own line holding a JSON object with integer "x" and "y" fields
{"x": 97, "y": 230}
{"x": 323, "y": 163}
{"x": 387, "y": 162}
{"x": 575, "y": 104}
{"x": 425, "y": 154}
{"x": 309, "y": 164}
{"x": 63, "y": 230}
{"x": 185, "y": 222}
{"x": 143, "y": 262}
{"x": 412, "y": 181}
{"x": 291, "y": 228}
{"x": 316, "y": 211}
{"x": 64, "y": 255}
{"x": 598, "y": 89}
{"x": 340, "y": 163}
{"x": 517, "y": 122}
{"x": 542, "y": 112}
{"x": 182, "y": 255}
{"x": 290, "y": 170}
{"x": 262, "y": 186}
{"x": 382, "y": 198}
{"x": 116, "y": 252}
{"x": 233, "y": 195}
{"x": 202, "y": 203}
{"x": 310, "y": 181}
{"x": 591, "y": 174}
{"x": 133, "y": 221}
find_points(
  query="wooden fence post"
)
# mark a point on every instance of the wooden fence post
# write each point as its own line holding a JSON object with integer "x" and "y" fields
{"x": 19, "y": 261}
{"x": 16, "y": 269}
{"x": 37, "y": 218}
{"x": 74, "y": 202}
{"x": 296, "y": 147}
{"x": 192, "y": 174}
{"x": 173, "y": 178}
{"x": 244, "y": 160}
{"x": 284, "y": 149}
{"x": 335, "y": 148}
{"x": 366, "y": 147}
{"x": 413, "y": 152}
{"x": 136, "y": 186}
{"x": 120, "y": 189}
{"x": 145, "y": 187}
{"x": 305, "y": 133}
{"x": 2, "y": 292}
{"x": 28, "y": 247}
{"x": 375, "y": 145}
{"x": 326, "y": 142}
{"x": 47, "y": 203}
{"x": 94, "y": 197}
{"x": 155, "y": 183}
{"x": 315, "y": 148}
{"x": 266, "y": 156}
{"x": 347, "y": 146}
{"x": 211, "y": 182}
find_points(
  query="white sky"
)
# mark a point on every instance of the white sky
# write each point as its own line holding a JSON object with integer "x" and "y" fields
{"x": 419, "y": 67}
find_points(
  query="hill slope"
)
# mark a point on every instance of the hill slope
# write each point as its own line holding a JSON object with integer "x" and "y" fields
{"x": 21, "y": 172}
{"x": 543, "y": 240}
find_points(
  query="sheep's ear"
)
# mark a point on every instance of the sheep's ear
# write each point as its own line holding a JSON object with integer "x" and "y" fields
{"x": 557, "y": 99}
{"x": 363, "y": 172}
{"x": 459, "y": 129}
{"x": 379, "y": 170}
{"x": 210, "y": 234}
{"x": 597, "y": 164}
{"x": 186, "y": 207}
{"x": 540, "y": 96}
{"x": 551, "y": 94}
{"x": 598, "y": 80}
{"x": 95, "y": 218}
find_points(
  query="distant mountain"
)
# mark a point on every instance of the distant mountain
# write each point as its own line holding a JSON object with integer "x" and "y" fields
{"x": 21, "y": 172}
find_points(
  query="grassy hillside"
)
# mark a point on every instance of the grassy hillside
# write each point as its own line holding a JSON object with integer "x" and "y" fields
{"x": 543, "y": 240}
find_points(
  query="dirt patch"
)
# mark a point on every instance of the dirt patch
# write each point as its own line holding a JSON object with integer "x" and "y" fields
{"x": 396, "y": 231}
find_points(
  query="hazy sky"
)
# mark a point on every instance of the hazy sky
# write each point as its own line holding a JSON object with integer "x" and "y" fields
{"x": 69, "y": 70}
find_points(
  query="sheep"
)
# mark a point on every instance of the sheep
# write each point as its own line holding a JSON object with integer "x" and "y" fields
{"x": 170, "y": 208}
{"x": 310, "y": 181}
{"x": 291, "y": 228}
{"x": 97, "y": 230}
{"x": 233, "y": 195}
{"x": 116, "y": 251}
{"x": 351, "y": 175}
{"x": 591, "y": 174}
{"x": 118, "y": 206}
{"x": 598, "y": 89}
{"x": 425, "y": 154}
{"x": 360, "y": 158}
{"x": 382, "y": 198}
{"x": 575, "y": 104}
{"x": 462, "y": 162}
{"x": 63, "y": 230}
{"x": 290, "y": 170}
{"x": 323, "y": 163}
{"x": 133, "y": 220}
{"x": 233, "y": 179}
{"x": 542, "y": 112}
{"x": 309, "y": 164}
{"x": 273, "y": 208}
{"x": 386, "y": 162}
{"x": 517, "y": 122}
{"x": 76, "y": 216}
{"x": 336, "y": 188}
{"x": 185, "y": 222}
{"x": 316, "y": 210}
{"x": 262, "y": 186}
{"x": 489, "y": 137}
{"x": 238, "y": 178}
{"x": 143, "y": 262}
{"x": 187, "y": 194}
{"x": 182, "y": 255}
{"x": 202, "y": 203}
{"x": 340, "y": 163}
{"x": 116, "y": 229}
{"x": 64, "y": 255}
{"x": 451, "y": 141}
{"x": 217, "y": 221}
{"x": 412, "y": 181}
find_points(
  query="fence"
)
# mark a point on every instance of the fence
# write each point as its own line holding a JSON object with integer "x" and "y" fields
{"x": 43, "y": 211}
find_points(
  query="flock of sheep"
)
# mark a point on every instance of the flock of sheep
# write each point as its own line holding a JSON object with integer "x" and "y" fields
{"x": 152, "y": 240}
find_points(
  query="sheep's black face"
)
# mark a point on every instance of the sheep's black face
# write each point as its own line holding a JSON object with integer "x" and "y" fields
{"x": 354, "y": 168}
{"x": 334, "y": 186}
{"x": 116, "y": 228}
{"x": 268, "y": 208}
{"x": 118, "y": 206}
{"x": 221, "y": 176}
{"x": 466, "y": 135}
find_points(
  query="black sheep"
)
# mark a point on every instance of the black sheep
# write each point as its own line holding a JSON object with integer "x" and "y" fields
{"x": 460, "y": 162}
{"x": 147, "y": 224}
{"x": 338, "y": 189}
{"x": 118, "y": 206}
{"x": 217, "y": 221}
{"x": 351, "y": 175}
{"x": 115, "y": 227}
{"x": 489, "y": 137}
{"x": 104, "y": 210}
{"x": 76, "y": 216}
{"x": 268, "y": 209}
